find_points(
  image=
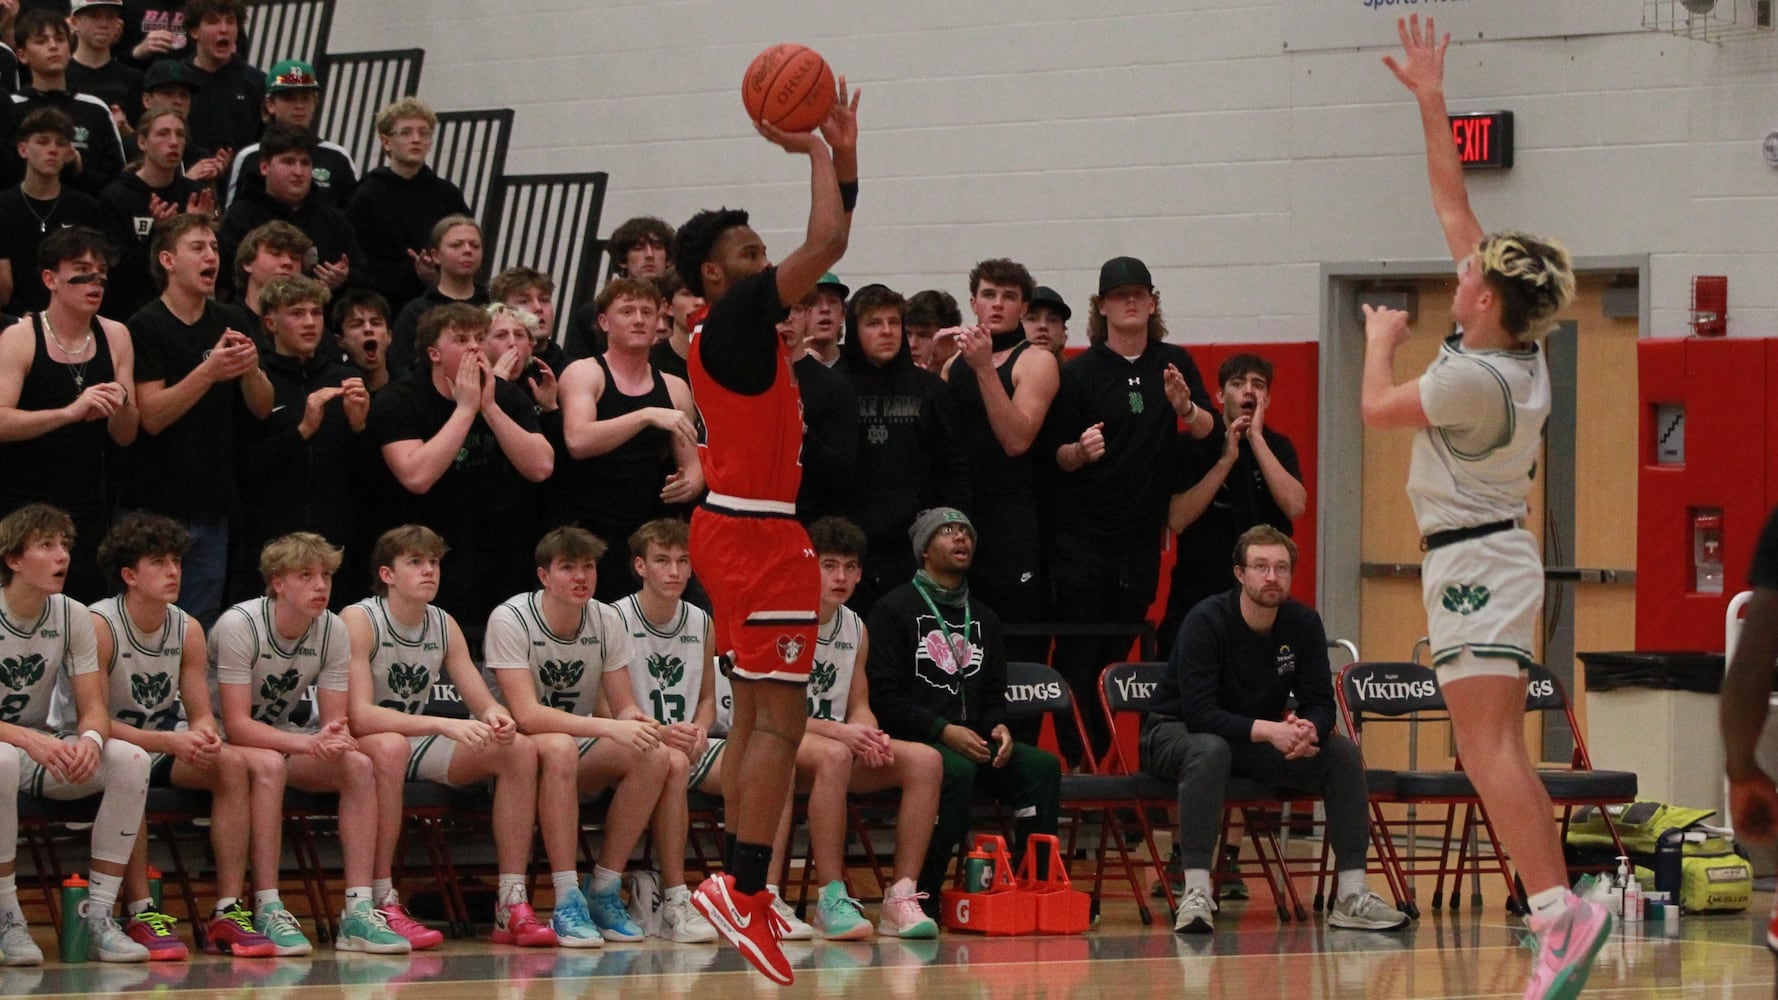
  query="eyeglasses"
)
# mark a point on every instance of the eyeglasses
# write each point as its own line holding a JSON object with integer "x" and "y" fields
{"x": 947, "y": 530}
{"x": 413, "y": 132}
{"x": 88, "y": 278}
{"x": 1268, "y": 569}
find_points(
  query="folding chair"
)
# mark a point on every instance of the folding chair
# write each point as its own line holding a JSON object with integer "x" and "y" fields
{"x": 288, "y": 29}
{"x": 1034, "y": 690}
{"x": 1130, "y": 688}
{"x": 1579, "y": 784}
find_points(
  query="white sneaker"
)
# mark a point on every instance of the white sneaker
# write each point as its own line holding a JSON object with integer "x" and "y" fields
{"x": 790, "y": 928}
{"x": 644, "y": 889}
{"x": 1195, "y": 909}
{"x": 681, "y": 923}
{"x": 1366, "y": 911}
{"x": 16, "y": 946}
{"x": 109, "y": 943}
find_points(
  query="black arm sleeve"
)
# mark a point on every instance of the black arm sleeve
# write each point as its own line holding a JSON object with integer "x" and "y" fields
{"x": 739, "y": 341}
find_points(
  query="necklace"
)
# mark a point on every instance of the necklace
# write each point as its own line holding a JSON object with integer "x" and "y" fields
{"x": 76, "y": 370}
{"x": 42, "y": 220}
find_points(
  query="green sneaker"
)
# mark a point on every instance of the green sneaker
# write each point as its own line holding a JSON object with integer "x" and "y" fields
{"x": 364, "y": 928}
{"x": 838, "y": 916}
{"x": 279, "y": 924}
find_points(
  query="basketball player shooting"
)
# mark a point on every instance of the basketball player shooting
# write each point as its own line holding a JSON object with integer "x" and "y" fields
{"x": 747, "y": 547}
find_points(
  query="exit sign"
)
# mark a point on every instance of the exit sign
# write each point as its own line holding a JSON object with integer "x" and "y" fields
{"x": 1484, "y": 139}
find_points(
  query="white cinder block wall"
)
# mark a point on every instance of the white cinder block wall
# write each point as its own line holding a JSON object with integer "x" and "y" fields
{"x": 1061, "y": 132}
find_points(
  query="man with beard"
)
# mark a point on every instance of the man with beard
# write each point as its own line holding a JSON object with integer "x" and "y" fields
{"x": 1221, "y": 711}
{"x": 909, "y": 455}
{"x": 937, "y": 673}
{"x": 1251, "y": 478}
{"x": 1002, "y": 390}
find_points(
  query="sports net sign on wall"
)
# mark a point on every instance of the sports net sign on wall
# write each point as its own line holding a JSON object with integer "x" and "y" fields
{"x": 1347, "y": 24}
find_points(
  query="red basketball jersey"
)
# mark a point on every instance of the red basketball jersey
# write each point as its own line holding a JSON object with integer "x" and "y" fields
{"x": 752, "y": 448}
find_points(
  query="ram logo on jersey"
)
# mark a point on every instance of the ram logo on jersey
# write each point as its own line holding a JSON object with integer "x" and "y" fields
{"x": 150, "y": 689}
{"x": 20, "y": 672}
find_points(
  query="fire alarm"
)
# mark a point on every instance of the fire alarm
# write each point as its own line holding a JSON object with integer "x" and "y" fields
{"x": 1771, "y": 149}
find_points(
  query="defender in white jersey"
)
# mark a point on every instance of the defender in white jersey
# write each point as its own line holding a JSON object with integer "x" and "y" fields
{"x": 266, "y": 653}
{"x": 1479, "y": 409}
{"x": 160, "y": 701}
{"x": 672, "y": 683}
{"x": 555, "y": 653}
{"x": 45, "y": 636}
{"x": 843, "y": 751}
{"x": 402, "y": 646}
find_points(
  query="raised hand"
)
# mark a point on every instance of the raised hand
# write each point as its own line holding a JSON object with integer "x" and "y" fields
{"x": 1384, "y": 326}
{"x": 841, "y": 127}
{"x": 1422, "y": 66}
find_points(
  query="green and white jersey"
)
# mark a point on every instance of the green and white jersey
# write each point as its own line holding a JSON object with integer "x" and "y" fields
{"x": 245, "y": 648}
{"x": 566, "y": 669}
{"x": 1474, "y": 465}
{"x": 666, "y": 662}
{"x": 836, "y": 657}
{"x": 34, "y": 656}
{"x": 405, "y": 661}
{"x": 144, "y": 666}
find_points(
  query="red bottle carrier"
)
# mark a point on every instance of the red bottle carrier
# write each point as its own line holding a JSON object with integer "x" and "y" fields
{"x": 1002, "y": 908}
{"x": 1061, "y": 908}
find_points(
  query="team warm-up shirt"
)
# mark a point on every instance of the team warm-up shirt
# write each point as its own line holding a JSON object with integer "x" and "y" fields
{"x": 565, "y": 668}
{"x": 34, "y": 654}
{"x": 144, "y": 666}
{"x": 405, "y": 661}
{"x": 245, "y": 648}
{"x": 836, "y": 659}
{"x": 1487, "y": 409}
{"x": 666, "y": 663}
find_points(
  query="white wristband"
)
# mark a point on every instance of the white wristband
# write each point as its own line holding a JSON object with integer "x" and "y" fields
{"x": 93, "y": 734}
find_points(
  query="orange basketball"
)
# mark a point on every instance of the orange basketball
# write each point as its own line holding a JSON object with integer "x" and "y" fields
{"x": 790, "y": 86}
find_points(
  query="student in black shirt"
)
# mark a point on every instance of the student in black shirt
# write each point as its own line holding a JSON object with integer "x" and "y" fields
{"x": 397, "y": 204}
{"x": 1116, "y": 417}
{"x": 1244, "y": 476}
{"x": 97, "y": 26}
{"x": 1221, "y": 711}
{"x": 456, "y": 252}
{"x": 225, "y": 108}
{"x": 293, "y": 98}
{"x": 196, "y": 366}
{"x": 467, "y": 448}
{"x": 670, "y": 355}
{"x": 169, "y": 83}
{"x": 361, "y": 321}
{"x": 43, "y": 48}
{"x": 39, "y": 205}
{"x": 289, "y": 196}
{"x": 157, "y": 189}
{"x": 65, "y": 401}
{"x": 830, "y": 429}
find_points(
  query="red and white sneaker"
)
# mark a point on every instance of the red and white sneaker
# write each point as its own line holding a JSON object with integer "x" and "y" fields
{"x": 518, "y": 924}
{"x": 419, "y": 936}
{"x": 747, "y": 921}
{"x": 154, "y": 931}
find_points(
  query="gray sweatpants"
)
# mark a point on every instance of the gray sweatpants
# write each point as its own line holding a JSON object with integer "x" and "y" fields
{"x": 1202, "y": 765}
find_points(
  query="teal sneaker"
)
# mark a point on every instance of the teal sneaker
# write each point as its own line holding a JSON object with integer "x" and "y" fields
{"x": 364, "y": 928}
{"x": 612, "y": 918}
{"x": 572, "y": 923}
{"x": 279, "y": 924}
{"x": 838, "y": 916}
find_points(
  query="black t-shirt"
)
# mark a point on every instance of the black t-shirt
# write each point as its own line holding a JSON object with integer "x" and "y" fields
{"x": 1222, "y": 675}
{"x": 1764, "y": 573}
{"x": 114, "y": 83}
{"x": 1123, "y": 496}
{"x": 1207, "y": 544}
{"x": 412, "y": 409}
{"x": 188, "y": 469}
{"x": 667, "y": 361}
{"x": 25, "y": 223}
{"x": 741, "y": 350}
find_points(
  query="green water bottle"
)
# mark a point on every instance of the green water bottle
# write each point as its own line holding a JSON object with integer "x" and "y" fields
{"x": 74, "y": 936}
{"x": 154, "y": 888}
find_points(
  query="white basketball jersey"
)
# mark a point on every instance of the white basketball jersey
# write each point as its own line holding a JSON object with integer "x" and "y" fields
{"x": 1474, "y": 466}
{"x": 144, "y": 666}
{"x": 245, "y": 648}
{"x": 35, "y": 654}
{"x": 566, "y": 669}
{"x": 836, "y": 656}
{"x": 405, "y": 661}
{"x": 666, "y": 662}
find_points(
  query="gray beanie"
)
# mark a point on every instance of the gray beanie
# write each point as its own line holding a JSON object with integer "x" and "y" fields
{"x": 927, "y": 523}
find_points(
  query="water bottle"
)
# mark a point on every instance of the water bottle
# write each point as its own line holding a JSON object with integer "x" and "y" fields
{"x": 74, "y": 936}
{"x": 1670, "y": 863}
{"x": 154, "y": 888}
{"x": 978, "y": 871}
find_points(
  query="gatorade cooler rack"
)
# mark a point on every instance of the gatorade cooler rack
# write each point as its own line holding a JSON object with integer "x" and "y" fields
{"x": 1024, "y": 904}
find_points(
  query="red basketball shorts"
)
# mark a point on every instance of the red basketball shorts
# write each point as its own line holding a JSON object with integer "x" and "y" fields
{"x": 765, "y": 592}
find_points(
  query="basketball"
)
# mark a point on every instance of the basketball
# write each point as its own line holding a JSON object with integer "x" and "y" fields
{"x": 790, "y": 86}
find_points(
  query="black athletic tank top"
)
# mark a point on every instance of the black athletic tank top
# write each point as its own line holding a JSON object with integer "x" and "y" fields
{"x": 997, "y": 477}
{"x": 621, "y": 488}
{"x": 67, "y": 466}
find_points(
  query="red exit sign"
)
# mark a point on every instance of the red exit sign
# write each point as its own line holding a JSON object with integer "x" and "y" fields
{"x": 1484, "y": 139}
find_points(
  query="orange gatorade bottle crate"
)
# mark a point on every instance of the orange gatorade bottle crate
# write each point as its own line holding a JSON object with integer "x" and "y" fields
{"x": 990, "y": 902}
{"x": 1061, "y": 908}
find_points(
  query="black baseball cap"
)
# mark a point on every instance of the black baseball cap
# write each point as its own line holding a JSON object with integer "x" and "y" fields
{"x": 166, "y": 73}
{"x": 1048, "y": 298}
{"x": 1120, "y": 271}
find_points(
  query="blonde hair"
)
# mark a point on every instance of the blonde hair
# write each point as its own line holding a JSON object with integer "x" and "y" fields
{"x": 1533, "y": 278}
{"x": 297, "y": 550}
{"x": 526, "y": 319}
{"x": 407, "y": 107}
